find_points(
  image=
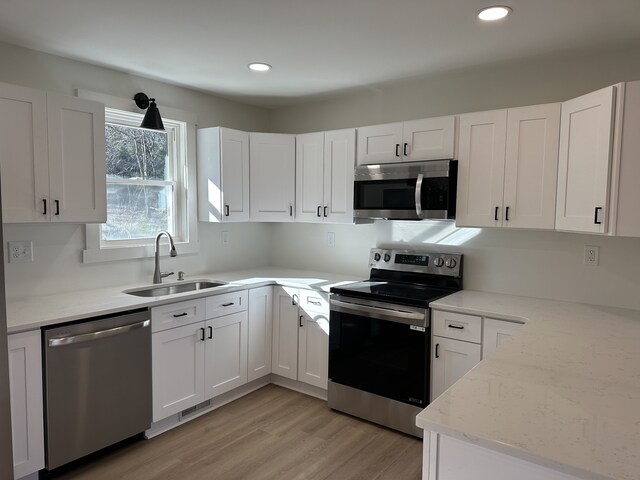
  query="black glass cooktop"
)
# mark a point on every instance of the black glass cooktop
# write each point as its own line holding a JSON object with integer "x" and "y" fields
{"x": 390, "y": 291}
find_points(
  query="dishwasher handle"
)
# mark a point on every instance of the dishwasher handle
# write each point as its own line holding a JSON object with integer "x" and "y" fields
{"x": 88, "y": 337}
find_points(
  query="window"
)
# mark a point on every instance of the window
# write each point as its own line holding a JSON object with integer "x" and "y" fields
{"x": 147, "y": 186}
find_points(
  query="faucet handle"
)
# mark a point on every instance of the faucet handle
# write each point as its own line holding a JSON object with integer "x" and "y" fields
{"x": 180, "y": 275}
{"x": 165, "y": 274}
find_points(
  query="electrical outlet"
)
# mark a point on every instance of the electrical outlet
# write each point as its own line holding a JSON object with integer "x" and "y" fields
{"x": 225, "y": 237}
{"x": 591, "y": 255}
{"x": 331, "y": 239}
{"x": 21, "y": 252}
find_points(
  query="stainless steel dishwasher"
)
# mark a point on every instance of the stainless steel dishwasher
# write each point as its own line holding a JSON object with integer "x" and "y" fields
{"x": 97, "y": 384}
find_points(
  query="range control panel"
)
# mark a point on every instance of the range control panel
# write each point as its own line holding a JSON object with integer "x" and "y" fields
{"x": 416, "y": 261}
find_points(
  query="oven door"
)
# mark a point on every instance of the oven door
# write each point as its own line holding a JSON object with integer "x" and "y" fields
{"x": 380, "y": 348}
{"x": 405, "y": 191}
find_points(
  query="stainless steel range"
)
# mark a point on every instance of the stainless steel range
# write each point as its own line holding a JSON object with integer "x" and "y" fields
{"x": 379, "y": 340}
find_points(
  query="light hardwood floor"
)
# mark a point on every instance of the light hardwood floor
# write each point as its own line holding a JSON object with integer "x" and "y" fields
{"x": 271, "y": 434}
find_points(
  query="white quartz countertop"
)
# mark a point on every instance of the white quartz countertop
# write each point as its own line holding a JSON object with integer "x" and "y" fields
{"x": 28, "y": 313}
{"x": 563, "y": 392}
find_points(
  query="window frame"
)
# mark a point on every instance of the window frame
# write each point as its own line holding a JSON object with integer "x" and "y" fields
{"x": 186, "y": 238}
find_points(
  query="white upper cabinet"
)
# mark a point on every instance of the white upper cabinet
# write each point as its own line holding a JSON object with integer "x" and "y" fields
{"x": 77, "y": 168}
{"x": 223, "y": 175}
{"x": 272, "y": 177}
{"x": 324, "y": 176}
{"x": 425, "y": 139}
{"x": 507, "y": 167}
{"x": 52, "y": 154}
{"x": 584, "y": 167}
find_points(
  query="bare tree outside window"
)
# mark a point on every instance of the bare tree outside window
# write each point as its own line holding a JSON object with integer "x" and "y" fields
{"x": 140, "y": 183}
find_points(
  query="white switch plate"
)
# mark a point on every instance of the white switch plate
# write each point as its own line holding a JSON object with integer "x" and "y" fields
{"x": 21, "y": 252}
{"x": 331, "y": 239}
{"x": 591, "y": 255}
{"x": 225, "y": 237}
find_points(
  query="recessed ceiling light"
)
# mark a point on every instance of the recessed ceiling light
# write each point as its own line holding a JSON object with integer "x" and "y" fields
{"x": 496, "y": 12}
{"x": 259, "y": 67}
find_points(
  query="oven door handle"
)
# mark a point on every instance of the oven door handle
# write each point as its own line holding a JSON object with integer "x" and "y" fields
{"x": 419, "y": 196}
{"x": 392, "y": 315}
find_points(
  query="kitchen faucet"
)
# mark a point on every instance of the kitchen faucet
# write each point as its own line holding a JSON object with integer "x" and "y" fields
{"x": 157, "y": 274}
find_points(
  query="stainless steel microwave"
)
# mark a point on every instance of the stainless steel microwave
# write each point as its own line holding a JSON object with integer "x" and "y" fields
{"x": 406, "y": 191}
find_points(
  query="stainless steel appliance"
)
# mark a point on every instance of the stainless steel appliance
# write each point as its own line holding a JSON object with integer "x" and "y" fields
{"x": 97, "y": 384}
{"x": 406, "y": 191}
{"x": 379, "y": 336}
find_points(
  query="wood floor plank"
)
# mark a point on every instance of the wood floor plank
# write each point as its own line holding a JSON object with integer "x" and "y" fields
{"x": 271, "y": 434}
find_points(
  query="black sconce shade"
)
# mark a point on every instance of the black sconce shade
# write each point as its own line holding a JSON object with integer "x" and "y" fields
{"x": 152, "y": 118}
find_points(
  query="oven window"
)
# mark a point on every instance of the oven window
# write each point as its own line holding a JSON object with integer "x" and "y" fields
{"x": 381, "y": 357}
{"x": 401, "y": 194}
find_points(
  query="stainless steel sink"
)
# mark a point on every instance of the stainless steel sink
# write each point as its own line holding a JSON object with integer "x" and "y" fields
{"x": 171, "y": 289}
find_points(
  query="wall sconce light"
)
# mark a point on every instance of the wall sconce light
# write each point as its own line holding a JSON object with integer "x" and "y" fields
{"x": 152, "y": 118}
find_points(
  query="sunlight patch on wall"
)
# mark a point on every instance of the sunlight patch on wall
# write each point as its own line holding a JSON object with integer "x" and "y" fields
{"x": 439, "y": 233}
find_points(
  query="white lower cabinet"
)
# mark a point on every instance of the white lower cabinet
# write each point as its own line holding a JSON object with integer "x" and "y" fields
{"x": 301, "y": 335}
{"x": 496, "y": 332}
{"x": 450, "y": 361}
{"x": 195, "y": 358}
{"x": 260, "y": 332}
{"x": 446, "y": 458}
{"x": 25, "y": 374}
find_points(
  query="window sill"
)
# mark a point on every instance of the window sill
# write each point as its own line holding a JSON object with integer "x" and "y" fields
{"x": 96, "y": 255}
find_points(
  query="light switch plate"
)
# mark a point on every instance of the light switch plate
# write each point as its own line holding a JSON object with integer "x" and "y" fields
{"x": 21, "y": 252}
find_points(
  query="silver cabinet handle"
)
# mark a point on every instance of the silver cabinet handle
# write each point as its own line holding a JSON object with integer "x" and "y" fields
{"x": 314, "y": 302}
{"x": 88, "y": 337}
{"x": 419, "y": 195}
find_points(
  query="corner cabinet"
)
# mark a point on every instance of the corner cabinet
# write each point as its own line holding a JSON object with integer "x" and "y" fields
{"x": 52, "y": 154}
{"x": 424, "y": 139}
{"x": 25, "y": 374}
{"x": 325, "y": 164}
{"x": 272, "y": 165}
{"x": 260, "y": 332}
{"x": 223, "y": 175}
{"x": 586, "y": 140}
{"x": 507, "y": 167}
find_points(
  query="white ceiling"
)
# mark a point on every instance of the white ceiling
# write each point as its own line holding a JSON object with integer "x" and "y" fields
{"x": 315, "y": 46}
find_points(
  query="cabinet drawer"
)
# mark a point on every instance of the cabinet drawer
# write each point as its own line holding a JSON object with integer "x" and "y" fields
{"x": 177, "y": 314}
{"x": 457, "y": 325}
{"x": 225, "y": 304}
{"x": 314, "y": 301}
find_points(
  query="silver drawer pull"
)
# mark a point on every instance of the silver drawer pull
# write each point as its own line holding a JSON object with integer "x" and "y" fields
{"x": 87, "y": 337}
{"x": 314, "y": 302}
{"x": 457, "y": 327}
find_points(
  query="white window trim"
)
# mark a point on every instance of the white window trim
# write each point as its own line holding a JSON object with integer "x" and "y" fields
{"x": 93, "y": 252}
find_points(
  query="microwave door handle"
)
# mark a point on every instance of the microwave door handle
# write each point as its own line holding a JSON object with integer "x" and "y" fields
{"x": 419, "y": 196}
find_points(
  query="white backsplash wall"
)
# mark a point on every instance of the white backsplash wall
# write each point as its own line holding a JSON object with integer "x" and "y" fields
{"x": 57, "y": 258}
{"x": 519, "y": 262}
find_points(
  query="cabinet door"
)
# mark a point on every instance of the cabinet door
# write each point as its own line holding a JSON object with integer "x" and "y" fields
{"x": 451, "y": 360}
{"x": 380, "y": 144}
{"x": 313, "y": 345}
{"x": 226, "y": 353}
{"x": 481, "y": 155}
{"x": 339, "y": 158}
{"x": 272, "y": 177}
{"x": 531, "y": 167}
{"x": 24, "y": 158}
{"x": 178, "y": 369}
{"x": 25, "y": 377}
{"x": 495, "y": 333}
{"x": 429, "y": 139}
{"x": 285, "y": 332}
{"x": 234, "y": 152}
{"x": 586, "y": 132}
{"x": 77, "y": 168}
{"x": 310, "y": 177}
{"x": 260, "y": 332}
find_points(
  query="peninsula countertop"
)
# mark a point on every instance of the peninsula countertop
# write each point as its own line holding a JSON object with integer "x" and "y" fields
{"x": 31, "y": 312}
{"x": 564, "y": 392}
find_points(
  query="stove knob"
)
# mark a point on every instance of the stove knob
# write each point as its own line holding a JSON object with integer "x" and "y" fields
{"x": 377, "y": 257}
{"x": 438, "y": 262}
{"x": 387, "y": 257}
{"x": 451, "y": 262}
